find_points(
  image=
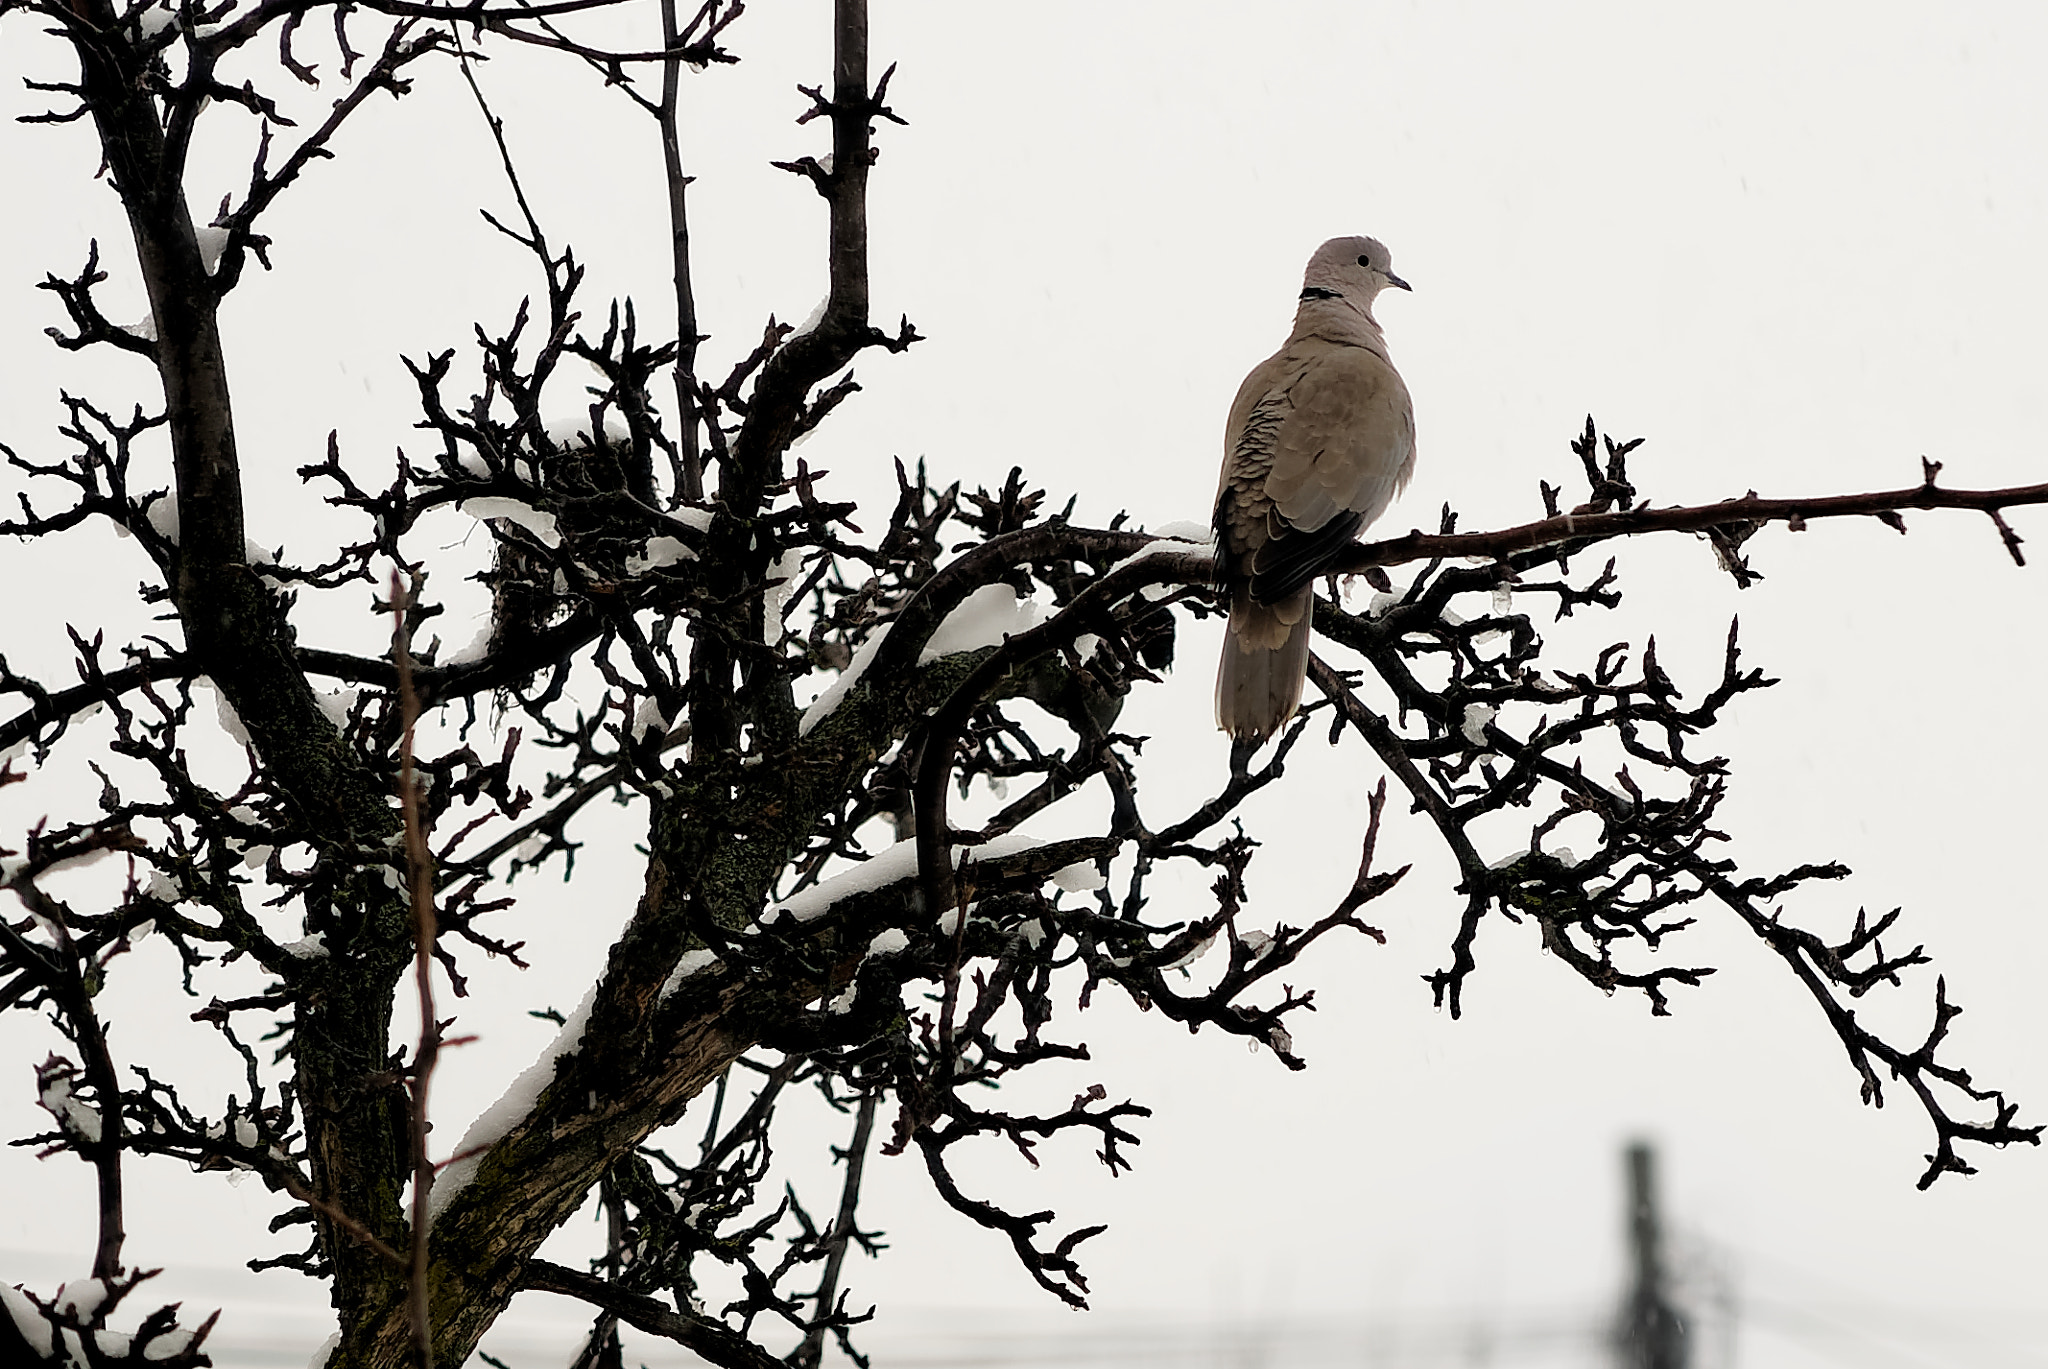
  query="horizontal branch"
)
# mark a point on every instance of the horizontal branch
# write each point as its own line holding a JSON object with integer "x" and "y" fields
{"x": 962, "y": 576}
{"x": 1580, "y": 530}
{"x": 61, "y": 704}
{"x": 713, "y": 1340}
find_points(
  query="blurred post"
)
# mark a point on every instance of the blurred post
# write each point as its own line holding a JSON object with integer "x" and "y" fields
{"x": 1652, "y": 1334}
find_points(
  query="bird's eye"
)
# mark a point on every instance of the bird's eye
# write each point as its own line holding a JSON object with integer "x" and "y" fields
{"x": 1366, "y": 262}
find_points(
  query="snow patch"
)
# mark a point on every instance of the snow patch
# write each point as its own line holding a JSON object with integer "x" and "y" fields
{"x": 984, "y": 618}
{"x": 80, "y": 1120}
{"x": 230, "y": 721}
{"x": 648, "y": 717}
{"x": 897, "y": 863}
{"x": 474, "y": 652}
{"x": 1083, "y": 876}
{"x": 1477, "y": 716}
{"x": 212, "y": 243}
{"x": 27, "y": 1319}
{"x": 564, "y": 432}
{"x": 836, "y": 692}
{"x": 336, "y": 703}
{"x": 658, "y": 552}
{"x": 517, "y": 1102}
{"x": 816, "y": 315}
{"x": 168, "y": 1346}
{"x": 81, "y": 1297}
{"x": 693, "y": 963}
{"x": 541, "y": 524}
{"x": 312, "y": 947}
{"x": 775, "y": 598}
{"x": 1169, "y": 546}
{"x": 163, "y": 516}
{"x": 156, "y": 19}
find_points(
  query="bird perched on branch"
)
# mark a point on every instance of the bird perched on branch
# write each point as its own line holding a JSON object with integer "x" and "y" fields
{"x": 1321, "y": 439}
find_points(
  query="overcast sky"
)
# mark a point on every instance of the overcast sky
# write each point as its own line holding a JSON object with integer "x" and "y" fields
{"x": 1796, "y": 248}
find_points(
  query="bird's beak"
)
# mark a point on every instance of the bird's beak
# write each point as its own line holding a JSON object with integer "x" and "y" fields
{"x": 1393, "y": 279}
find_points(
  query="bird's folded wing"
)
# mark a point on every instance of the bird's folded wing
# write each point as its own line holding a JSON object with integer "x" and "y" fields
{"x": 1336, "y": 444}
{"x": 1290, "y": 559}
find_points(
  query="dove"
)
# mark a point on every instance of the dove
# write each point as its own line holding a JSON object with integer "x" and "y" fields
{"x": 1321, "y": 438}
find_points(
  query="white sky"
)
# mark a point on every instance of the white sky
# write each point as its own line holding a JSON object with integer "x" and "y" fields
{"x": 1796, "y": 250}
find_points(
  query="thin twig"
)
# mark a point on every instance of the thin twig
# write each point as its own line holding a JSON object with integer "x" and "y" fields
{"x": 419, "y": 863}
{"x": 807, "y": 1355}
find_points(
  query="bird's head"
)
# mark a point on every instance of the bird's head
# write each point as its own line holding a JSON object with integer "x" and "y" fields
{"x": 1355, "y": 269}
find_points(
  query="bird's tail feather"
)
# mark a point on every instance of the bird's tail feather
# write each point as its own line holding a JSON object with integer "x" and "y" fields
{"x": 1265, "y": 660}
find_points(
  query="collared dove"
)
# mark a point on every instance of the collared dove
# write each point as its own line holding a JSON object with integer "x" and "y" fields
{"x": 1321, "y": 439}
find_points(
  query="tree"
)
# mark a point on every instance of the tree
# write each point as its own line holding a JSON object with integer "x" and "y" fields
{"x": 669, "y": 581}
